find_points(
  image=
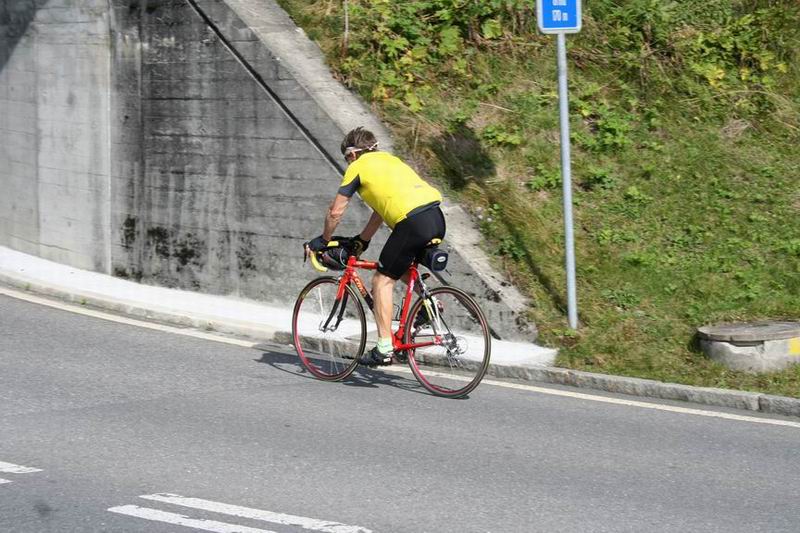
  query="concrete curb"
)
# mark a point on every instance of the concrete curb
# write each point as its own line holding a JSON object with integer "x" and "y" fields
{"x": 166, "y": 316}
{"x": 648, "y": 388}
{"x": 749, "y": 401}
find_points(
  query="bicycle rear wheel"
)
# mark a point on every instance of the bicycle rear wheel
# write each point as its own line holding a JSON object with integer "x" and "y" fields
{"x": 328, "y": 334}
{"x": 456, "y": 364}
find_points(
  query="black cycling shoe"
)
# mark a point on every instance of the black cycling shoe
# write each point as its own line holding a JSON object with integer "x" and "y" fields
{"x": 375, "y": 357}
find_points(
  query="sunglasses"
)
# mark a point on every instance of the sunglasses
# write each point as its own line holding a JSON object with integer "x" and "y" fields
{"x": 350, "y": 151}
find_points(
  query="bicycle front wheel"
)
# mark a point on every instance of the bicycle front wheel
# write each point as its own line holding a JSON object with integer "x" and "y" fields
{"x": 459, "y": 358}
{"x": 329, "y": 334}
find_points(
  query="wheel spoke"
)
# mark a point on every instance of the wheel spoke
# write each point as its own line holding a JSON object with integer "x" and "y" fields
{"x": 329, "y": 353}
{"x": 456, "y": 365}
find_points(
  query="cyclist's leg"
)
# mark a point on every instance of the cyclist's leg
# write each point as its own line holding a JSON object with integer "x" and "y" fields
{"x": 395, "y": 258}
{"x": 382, "y": 293}
{"x": 430, "y": 225}
{"x": 418, "y": 231}
{"x": 381, "y": 354}
{"x": 408, "y": 239}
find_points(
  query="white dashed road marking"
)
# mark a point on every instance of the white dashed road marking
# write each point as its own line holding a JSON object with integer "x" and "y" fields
{"x": 181, "y": 520}
{"x": 11, "y": 468}
{"x": 256, "y": 514}
{"x": 311, "y": 524}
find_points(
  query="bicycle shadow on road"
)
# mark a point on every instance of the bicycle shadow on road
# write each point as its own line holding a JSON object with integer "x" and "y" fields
{"x": 362, "y": 377}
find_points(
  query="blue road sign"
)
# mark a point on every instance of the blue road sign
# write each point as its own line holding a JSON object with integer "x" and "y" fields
{"x": 559, "y": 16}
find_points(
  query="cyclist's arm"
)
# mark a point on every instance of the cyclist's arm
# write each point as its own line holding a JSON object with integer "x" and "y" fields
{"x": 334, "y": 216}
{"x": 375, "y": 222}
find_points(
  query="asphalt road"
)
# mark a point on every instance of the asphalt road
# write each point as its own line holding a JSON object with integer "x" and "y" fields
{"x": 112, "y": 427}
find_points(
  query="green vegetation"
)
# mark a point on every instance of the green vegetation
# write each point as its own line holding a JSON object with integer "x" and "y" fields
{"x": 686, "y": 155}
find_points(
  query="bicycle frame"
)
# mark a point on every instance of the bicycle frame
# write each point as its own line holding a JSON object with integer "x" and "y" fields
{"x": 350, "y": 275}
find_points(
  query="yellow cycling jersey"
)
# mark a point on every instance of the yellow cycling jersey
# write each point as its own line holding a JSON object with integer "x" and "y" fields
{"x": 388, "y": 186}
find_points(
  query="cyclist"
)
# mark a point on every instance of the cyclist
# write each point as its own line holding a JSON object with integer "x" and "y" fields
{"x": 399, "y": 198}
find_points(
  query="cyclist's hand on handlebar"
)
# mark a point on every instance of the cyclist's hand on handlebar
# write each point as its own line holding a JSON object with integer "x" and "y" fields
{"x": 358, "y": 245}
{"x": 317, "y": 244}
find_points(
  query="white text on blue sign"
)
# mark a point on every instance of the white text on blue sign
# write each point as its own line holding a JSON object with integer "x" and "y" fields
{"x": 557, "y": 16}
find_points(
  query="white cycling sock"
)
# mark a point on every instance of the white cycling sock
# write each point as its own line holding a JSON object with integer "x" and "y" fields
{"x": 385, "y": 345}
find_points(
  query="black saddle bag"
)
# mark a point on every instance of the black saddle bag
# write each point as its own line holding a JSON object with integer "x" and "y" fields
{"x": 435, "y": 258}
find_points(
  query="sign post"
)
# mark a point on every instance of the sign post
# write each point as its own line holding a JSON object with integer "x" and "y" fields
{"x": 560, "y": 17}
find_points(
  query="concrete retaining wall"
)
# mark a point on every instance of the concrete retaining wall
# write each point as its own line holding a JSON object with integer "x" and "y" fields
{"x": 216, "y": 187}
{"x": 54, "y": 130}
{"x": 185, "y": 143}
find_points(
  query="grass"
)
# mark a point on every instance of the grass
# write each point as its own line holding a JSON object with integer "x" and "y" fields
{"x": 687, "y": 205}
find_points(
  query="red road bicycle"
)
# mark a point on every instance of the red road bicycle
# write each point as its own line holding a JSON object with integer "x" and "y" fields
{"x": 443, "y": 336}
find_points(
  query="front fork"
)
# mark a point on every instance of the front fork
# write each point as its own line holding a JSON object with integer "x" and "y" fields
{"x": 340, "y": 306}
{"x": 340, "y": 303}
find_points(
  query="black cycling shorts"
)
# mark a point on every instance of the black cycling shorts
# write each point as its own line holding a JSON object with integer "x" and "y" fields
{"x": 409, "y": 239}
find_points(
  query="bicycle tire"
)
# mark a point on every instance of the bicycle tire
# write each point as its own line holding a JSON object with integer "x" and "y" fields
{"x": 454, "y": 368}
{"x": 329, "y": 355}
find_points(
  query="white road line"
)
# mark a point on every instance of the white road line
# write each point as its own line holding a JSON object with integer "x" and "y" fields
{"x": 615, "y": 401}
{"x": 123, "y": 320}
{"x": 4, "y": 481}
{"x": 181, "y": 520}
{"x": 518, "y": 386}
{"x": 648, "y": 405}
{"x": 10, "y": 468}
{"x": 312, "y": 524}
